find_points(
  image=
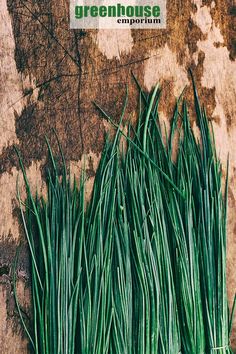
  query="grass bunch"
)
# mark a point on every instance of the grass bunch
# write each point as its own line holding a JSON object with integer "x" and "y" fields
{"x": 55, "y": 233}
{"x": 142, "y": 268}
{"x": 153, "y": 276}
{"x": 100, "y": 322}
{"x": 81, "y": 273}
{"x": 195, "y": 210}
{"x": 210, "y": 204}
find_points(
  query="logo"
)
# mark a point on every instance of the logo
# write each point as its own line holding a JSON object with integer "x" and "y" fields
{"x": 107, "y": 14}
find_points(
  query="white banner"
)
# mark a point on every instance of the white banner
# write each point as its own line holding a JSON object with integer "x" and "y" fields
{"x": 108, "y": 14}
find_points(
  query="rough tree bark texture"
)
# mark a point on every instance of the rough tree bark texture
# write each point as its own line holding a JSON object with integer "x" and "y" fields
{"x": 49, "y": 76}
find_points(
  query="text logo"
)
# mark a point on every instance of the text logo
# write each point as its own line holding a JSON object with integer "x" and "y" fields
{"x": 107, "y": 14}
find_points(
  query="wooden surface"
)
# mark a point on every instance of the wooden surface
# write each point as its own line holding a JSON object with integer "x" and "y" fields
{"x": 49, "y": 76}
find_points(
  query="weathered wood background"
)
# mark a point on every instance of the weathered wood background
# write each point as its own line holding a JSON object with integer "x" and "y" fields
{"x": 49, "y": 75}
